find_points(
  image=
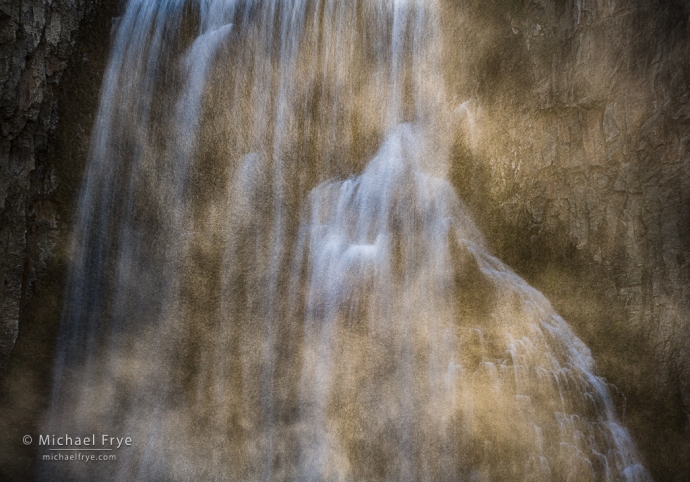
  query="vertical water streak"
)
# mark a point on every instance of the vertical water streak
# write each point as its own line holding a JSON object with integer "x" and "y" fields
{"x": 103, "y": 225}
{"x": 272, "y": 279}
{"x": 131, "y": 240}
{"x": 380, "y": 291}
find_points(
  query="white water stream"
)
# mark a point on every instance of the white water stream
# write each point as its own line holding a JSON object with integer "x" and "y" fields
{"x": 272, "y": 279}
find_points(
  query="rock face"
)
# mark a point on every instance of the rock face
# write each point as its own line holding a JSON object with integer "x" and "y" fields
{"x": 52, "y": 67}
{"x": 576, "y": 158}
{"x": 574, "y": 154}
{"x": 36, "y": 39}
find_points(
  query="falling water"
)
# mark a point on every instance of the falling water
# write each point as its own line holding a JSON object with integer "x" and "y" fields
{"x": 272, "y": 280}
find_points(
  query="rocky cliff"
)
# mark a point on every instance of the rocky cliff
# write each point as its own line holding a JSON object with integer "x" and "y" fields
{"x": 52, "y": 59}
{"x": 576, "y": 159}
{"x": 573, "y": 152}
{"x": 36, "y": 40}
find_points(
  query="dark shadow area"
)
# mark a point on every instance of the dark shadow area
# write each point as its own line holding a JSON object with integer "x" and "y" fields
{"x": 25, "y": 387}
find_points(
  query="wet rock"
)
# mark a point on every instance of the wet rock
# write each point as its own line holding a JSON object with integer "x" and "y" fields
{"x": 36, "y": 38}
{"x": 592, "y": 102}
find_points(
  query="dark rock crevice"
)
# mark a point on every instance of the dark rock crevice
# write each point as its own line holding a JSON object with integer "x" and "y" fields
{"x": 55, "y": 61}
{"x": 36, "y": 40}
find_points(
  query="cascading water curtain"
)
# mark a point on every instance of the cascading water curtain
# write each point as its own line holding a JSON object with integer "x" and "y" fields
{"x": 272, "y": 280}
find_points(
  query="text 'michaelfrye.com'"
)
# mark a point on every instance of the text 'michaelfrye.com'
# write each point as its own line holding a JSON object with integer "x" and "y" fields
{"x": 80, "y": 447}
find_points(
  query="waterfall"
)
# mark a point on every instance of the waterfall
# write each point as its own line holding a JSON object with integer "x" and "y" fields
{"x": 272, "y": 279}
